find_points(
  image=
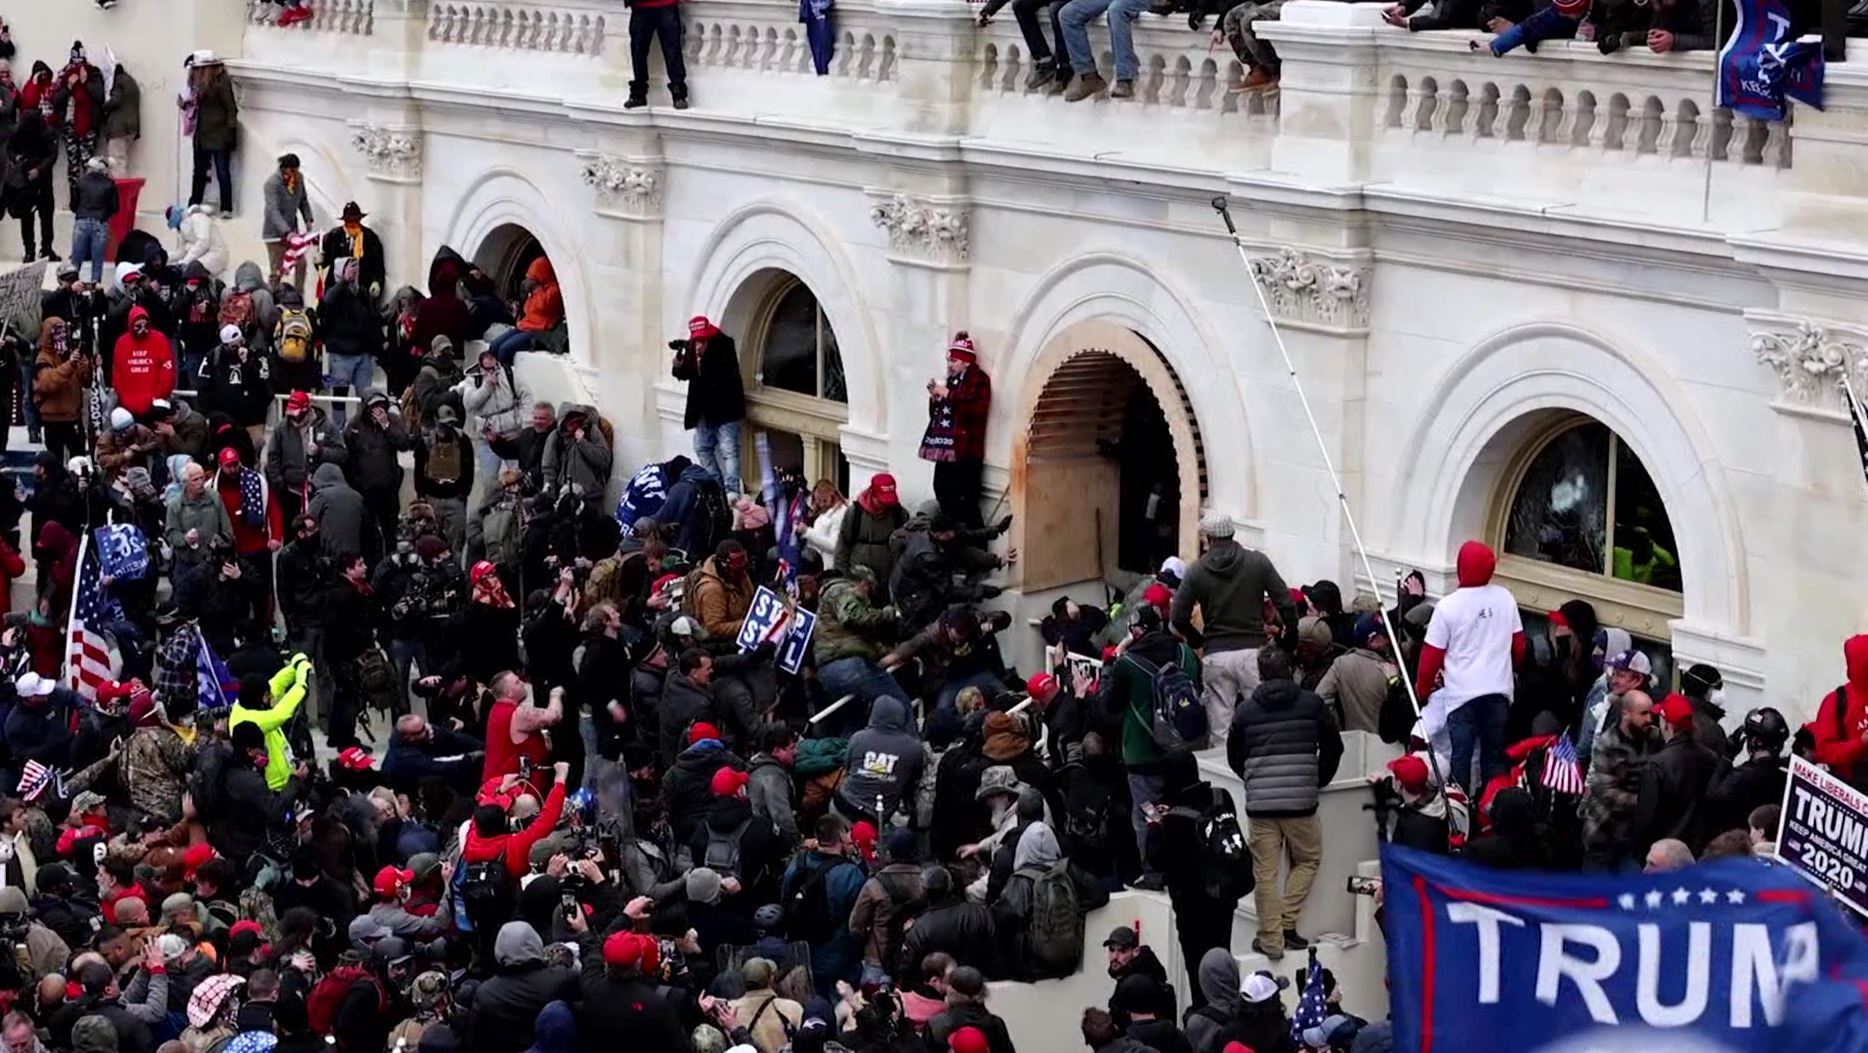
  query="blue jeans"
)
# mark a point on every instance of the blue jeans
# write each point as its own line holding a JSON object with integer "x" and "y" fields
{"x": 1480, "y": 722}
{"x": 1076, "y": 18}
{"x": 402, "y": 654}
{"x": 1544, "y": 24}
{"x": 344, "y": 372}
{"x": 1122, "y": 17}
{"x": 511, "y": 342}
{"x": 860, "y": 677}
{"x": 88, "y": 238}
{"x": 716, "y": 446}
{"x": 487, "y": 462}
{"x": 1144, "y": 790}
{"x": 587, "y": 731}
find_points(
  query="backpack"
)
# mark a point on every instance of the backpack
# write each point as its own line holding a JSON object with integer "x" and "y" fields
{"x": 499, "y": 533}
{"x": 444, "y": 460}
{"x": 1177, "y": 718}
{"x": 716, "y": 517}
{"x": 1225, "y": 864}
{"x": 411, "y": 408}
{"x": 722, "y": 852}
{"x": 1055, "y": 928}
{"x": 328, "y": 996}
{"x": 236, "y": 310}
{"x": 1086, "y": 827}
{"x": 807, "y": 905}
{"x": 903, "y": 910}
{"x": 487, "y": 892}
{"x": 294, "y": 334}
{"x": 377, "y": 679}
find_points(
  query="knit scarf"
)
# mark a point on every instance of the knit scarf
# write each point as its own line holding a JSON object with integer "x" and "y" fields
{"x": 355, "y": 234}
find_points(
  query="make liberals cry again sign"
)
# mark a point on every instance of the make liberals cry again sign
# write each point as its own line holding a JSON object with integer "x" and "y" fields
{"x": 1734, "y": 956}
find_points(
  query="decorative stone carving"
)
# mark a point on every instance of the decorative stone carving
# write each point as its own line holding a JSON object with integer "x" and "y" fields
{"x": 1810, "y": 361}
{"x": 393, "y": 154}
{"x": 1302, "y": 289}
{"x": 624, "y": 188}
{"x": 925, "y": 230}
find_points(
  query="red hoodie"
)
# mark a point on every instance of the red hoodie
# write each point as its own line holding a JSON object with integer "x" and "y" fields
{"x": 144, "y": 367}
{"x": 515, "y": 849}
{"x": 1475, "y": 566}
{"x": 1839, "y": 743}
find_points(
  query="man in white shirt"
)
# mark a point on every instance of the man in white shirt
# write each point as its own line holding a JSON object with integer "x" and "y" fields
{"x": 1474, "y": 643}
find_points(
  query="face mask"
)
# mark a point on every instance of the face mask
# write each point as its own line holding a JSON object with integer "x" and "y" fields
{"x": 1716, "y": 696}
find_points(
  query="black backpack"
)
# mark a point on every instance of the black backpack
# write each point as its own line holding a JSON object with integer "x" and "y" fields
{"x": 487, "y": 893}
{"x": 807, "y": 904}
{"x": 716, "y": 517}
{"x": 1176, "y": 717}
{"x": 721, "y": 854}
{"x": 1225, "y": 862}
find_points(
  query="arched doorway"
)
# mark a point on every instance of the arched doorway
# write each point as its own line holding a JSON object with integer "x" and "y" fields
{"x": 1108, "y": 472}
{"x": 504, "y": 254}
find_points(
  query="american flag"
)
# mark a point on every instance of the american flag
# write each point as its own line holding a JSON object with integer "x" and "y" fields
{"x": 296, "y": 246}
{"x": 1562, "y": 774}
{"x": 35, "y": 779}
{"x": 90, "y": 654}
{"x": 1312, "y": 1008}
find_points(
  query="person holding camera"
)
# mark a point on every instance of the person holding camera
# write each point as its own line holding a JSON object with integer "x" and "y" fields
{"x": 716, "y": 400}
{"x": 61, "y": 374}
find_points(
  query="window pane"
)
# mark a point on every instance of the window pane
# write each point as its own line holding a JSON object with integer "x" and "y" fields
{"x": 1559, "y": 514}
{"x": 788, "y": 361}
{"x": 1644, "y": 549}
{"x": 834, "y": 387}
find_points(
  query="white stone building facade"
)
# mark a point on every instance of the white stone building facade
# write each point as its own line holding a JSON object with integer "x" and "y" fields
{"x": 1469, "y": 259}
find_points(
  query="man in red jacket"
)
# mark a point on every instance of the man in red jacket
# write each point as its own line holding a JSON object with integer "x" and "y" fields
{"x": 258, "y": 530}
{"x": 955, "y": 439}
{"x": 143, "y": 365}
{"x": 1841, "y": 725}
{"x": 491, "y": 836}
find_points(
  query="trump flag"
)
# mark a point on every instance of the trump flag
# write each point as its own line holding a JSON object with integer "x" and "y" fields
{"x": 1731, "y": 956}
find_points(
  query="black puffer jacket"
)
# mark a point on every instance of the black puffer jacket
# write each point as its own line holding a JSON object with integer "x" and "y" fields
{"x": 680, "y": 706}
{"x": 1285, "y": 746}
{"x": 687, "y": 789}
{"x": 964, "y": 930}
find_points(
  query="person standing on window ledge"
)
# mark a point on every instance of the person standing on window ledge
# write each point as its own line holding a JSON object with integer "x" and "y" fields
{"x": 650, "y": 20}
{"x": 709, "y": 362}
{"x": 956, "y": 436}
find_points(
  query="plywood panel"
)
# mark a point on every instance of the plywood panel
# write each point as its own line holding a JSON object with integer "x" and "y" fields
{"x": 1055, "y": 526}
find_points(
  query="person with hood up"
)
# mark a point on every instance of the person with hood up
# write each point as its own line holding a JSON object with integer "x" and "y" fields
{"x": 543, "y": 311}
{"x": 350, "y": 239}
{"x": 374, "y": 439}
{"x": 863, "y": 537}
{"x": 236, "y": 381}
{"x": 292, "y": 328}
{"x": 883, "y": 767}
{"x": 61, "y": 373}
{"x": 556, "y": 1030}
{"x": 197, "y": 311}
{"x": 303, "y": 439}
{"x": 1218, "y": 981}
{"x": 688, "y": 510}
{"x": 687, "y": 788}
{"x": 201, "y": 240}
{"x": 143, "y": 366}
{"x": 496, "y": 404}
{"x": 578, "y": 454}
{"x": 955, "y": 440}
{"x": 1285, "y": 747}
{"x": 1475, "y": 640}
{"x": 1514, "y": 842}
{"x": 269, "y": 704}
{"x": 123, "y": 119}
{"x": 353, "y": 334}
{"x": 442, "y": 313}
{"x": 1231, "y": 585}
{"x": 340, "y": 513}
{"x": 716, "y": 397}
{"x": 1203, "y": 900}
{"x": 31, "y": 152}
{"x": 506, "y": 1011}
{"x": 93, "y": 202}
{"x": 286, "y": 203}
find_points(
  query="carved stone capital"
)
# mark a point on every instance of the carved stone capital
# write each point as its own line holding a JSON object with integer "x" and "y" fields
{"x": 626, "y": 189}
{"x": 392, "y": 154}
{"x": 1810, "y": 359}
{"x": 924, "y": 229}
{"x": 1313, "y": 291}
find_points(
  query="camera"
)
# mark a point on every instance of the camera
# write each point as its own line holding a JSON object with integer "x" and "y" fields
{"x": 678, "y": 345}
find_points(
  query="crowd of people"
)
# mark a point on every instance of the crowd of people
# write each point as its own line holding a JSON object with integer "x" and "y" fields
{"x": 349, "y": 704}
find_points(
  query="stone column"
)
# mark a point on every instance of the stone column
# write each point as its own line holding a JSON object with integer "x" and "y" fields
{"x": 628, "y": 180}
{"x": 934, "y": 45}
{"x": 1328, "y": 93}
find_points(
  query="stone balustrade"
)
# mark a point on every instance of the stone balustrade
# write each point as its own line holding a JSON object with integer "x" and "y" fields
{"x": 517, "y": 27}
{"x": 356, "y": 17}
{"x": 1179, "y": 68}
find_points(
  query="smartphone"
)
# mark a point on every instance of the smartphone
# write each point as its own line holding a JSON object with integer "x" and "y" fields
{"x": 1363, "y": 886}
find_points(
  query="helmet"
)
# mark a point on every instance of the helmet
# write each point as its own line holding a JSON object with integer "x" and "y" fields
{"x": 768, "y": 916}
{"x": 1766, "y": 728}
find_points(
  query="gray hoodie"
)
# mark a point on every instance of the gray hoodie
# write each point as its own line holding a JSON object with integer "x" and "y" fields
{"x": 518, "y": 943}
{"x": 338, "y": 509}
{"x": 1219, "y": 982}
{"x": 1230, "y": 584}
{"x": 884, "y": 761}
{"x": 249, "y": 279}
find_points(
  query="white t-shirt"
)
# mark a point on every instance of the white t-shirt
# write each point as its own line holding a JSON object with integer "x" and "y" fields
{"x": 1474, "y": 627}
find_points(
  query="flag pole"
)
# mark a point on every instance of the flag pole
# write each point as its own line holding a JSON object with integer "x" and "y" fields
{"x": 1222, "y": 206}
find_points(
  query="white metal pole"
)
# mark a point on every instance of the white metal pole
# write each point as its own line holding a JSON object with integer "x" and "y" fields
{"x": 1221, "y": 205}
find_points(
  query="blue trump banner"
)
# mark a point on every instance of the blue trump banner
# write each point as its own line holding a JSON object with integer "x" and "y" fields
{"x": 1759, "y": 64}
{"x": 1713, "y": 957}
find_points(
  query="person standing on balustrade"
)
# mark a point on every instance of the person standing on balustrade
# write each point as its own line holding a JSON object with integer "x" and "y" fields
{"x": 656, "y": 20}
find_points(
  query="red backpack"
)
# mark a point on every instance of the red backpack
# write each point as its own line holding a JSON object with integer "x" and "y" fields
{"x": 328, "y": 996}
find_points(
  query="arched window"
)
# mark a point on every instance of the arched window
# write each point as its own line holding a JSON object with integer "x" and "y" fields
{"x": 795, "y": 391}
{"x": 1581, "y": 518}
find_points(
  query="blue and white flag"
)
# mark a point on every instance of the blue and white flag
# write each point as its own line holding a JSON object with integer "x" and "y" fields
{"x": 1760, "y": 65}
{"x": 122, "y": 551}
{"x": 216, "y": 687}
{"x": 1733, "y": 956}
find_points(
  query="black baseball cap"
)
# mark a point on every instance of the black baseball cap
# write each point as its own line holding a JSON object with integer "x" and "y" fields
{"x": 1123, "y": 939}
